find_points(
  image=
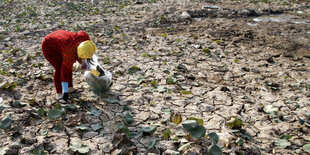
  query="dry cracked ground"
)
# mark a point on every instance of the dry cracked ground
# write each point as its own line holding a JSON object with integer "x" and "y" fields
{"x": 239, "y": 70}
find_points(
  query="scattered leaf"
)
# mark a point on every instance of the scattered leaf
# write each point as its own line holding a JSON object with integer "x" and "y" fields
{"x": 189, "y": 124}
{"x": 214, "y": 137}
{"x": 171, "y": 80}
{"x": 194, "y": 129}
{"x": 234, "y": 122}
{"x": 185, "y": 92}
{"x": 96, "y": 127}
{"x": 214, "y": 150}
{"x": 81, "y": 148}
{"x": 282, "y": 143}
{"x": 175, "y": 117}
{"x": 133, "y": 70}
{"x": 149, "y": 130}
{"x": 151, "y": 144}
{"x": 240, "y": 141}
{"x": 198, "y": 120}
{"x": 154, "y": 83}
{"x": 54, "y": 113}
{"x": 6, "y": 123}
{"x": 128, "y": 118}
{"x": 285, "y": 136}
{"x": 123, "y": 128}
{"x": 41, "y": 112}
{"x": 57, "y": 127}
{"x": 206, "y": 50}
{"x": 94, "y": 111}
{"x": 167, "y": 134}
{"x": 306, "y": 148}
{"x": 145, "y": 55}
{"x": 126, "y": 107}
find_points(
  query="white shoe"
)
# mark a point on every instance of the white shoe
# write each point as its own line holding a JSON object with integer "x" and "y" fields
{"x": 62, "y": 101}
{"x": 59, "y": 96}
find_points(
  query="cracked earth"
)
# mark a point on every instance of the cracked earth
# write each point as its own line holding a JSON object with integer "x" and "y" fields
{"x": 225, "y": 58}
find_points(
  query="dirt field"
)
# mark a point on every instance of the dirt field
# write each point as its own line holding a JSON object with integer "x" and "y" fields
{"x": 240, "y": 68}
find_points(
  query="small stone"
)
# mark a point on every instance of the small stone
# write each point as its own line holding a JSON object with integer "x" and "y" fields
{"x": 186, "y": 15}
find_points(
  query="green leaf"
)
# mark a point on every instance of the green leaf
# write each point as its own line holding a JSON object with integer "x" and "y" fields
{"x": 206, "y": 50}
{"x": 57, "y": 127}
{"x": 96, "y": 127}
{"x": 185, "y": 92}
{"x": 214, "y": 150}
{"x": 123, "y": 128}
{"x": 151, "y": 144}
{"x": 171, "y": 80}
{"x": 240, "y": 141}
{"x": 194, "y": 129}
{"x": 54, "y": 114}
{"x": 198, "y": 132}
{"x": 167, "y": 134}
{"x": 198, "y": 120}
{"x": 41, "y": 112}
{"x": 145, "y": 55}
{"x": 306, "y": 148}
{"x": 71, "y": 106}
{"x": 149, "y": 130}
{"x": 81, "y": 148}
{"x": 214, "y": 137}
{"x": 136, "y": 134}
{"x": 185, "y": 146}
{"x": 189, "y": 124}
{"x": 175, "y": 117}
{"x": 154, "y": 83}
{"x": 126, "y": 107}
{"x": 128, "y": 118}
{"x": 285, "y": 136}
{"x": 234, "y": 122}
{"x": 94, "y": 111}
{"x": 282, "y": 143}
{"x": 164, "y": 35}
{"x": 6, "y": 123}
{"x": 133, "y": 70}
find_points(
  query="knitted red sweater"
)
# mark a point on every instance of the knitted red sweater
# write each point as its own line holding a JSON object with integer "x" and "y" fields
{"x": 60, "y": 48}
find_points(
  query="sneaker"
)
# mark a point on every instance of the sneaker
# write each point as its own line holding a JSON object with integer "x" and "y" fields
{"x": 62, "y": 101}
{"x": 59, "y": 96}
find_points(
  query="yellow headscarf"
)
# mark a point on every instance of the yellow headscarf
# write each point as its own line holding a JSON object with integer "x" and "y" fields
{"x": 86, "y": 49}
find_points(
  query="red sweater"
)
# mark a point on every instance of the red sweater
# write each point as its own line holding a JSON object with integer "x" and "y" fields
{"x": 65, "y": 43}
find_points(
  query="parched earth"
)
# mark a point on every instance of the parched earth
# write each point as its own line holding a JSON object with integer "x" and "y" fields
{"x": 222, "y": 62}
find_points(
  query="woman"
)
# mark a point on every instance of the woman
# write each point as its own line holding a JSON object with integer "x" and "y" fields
{"x": 62, "y": 49}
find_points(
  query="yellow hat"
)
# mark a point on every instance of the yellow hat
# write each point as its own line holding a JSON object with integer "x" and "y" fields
{"x": 86, "y": 49}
